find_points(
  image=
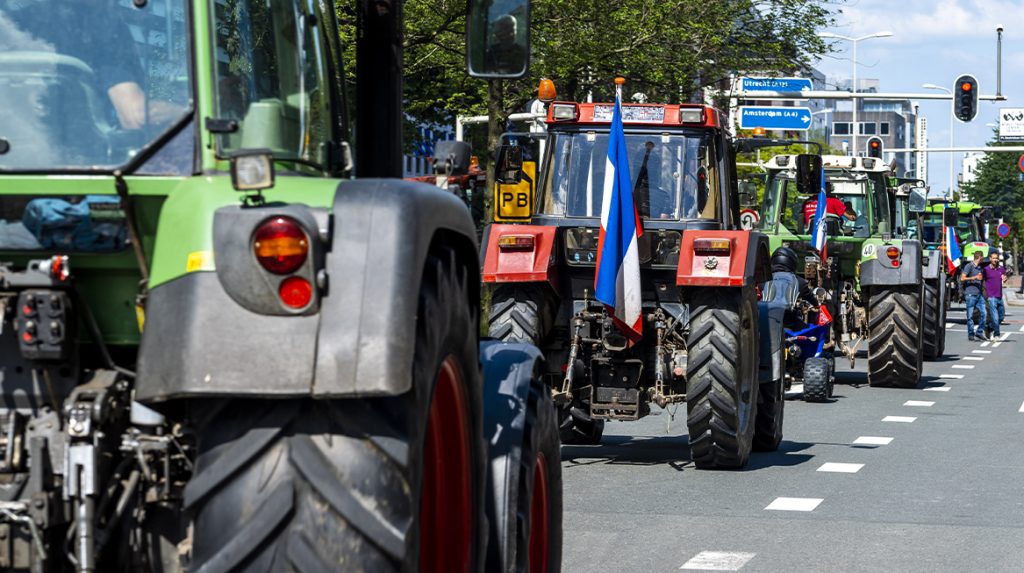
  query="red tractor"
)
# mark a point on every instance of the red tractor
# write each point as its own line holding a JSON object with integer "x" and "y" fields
{"x": 706, "y": 340}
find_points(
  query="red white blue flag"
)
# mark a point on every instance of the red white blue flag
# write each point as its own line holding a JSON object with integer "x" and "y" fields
{"x": 953, "y": 253}
{"x": 818, "y": 239}
{"x": 617, "y": 277}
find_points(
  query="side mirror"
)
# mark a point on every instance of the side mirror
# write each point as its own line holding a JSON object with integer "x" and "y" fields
{"x": 808, "y": 174}
{"x": 451, "y": 157}
{"x": 918, "y": 201}
{"x": 950, "y": 216}
{"x": 509, "y": 165}
{"x": 498, "y": 39}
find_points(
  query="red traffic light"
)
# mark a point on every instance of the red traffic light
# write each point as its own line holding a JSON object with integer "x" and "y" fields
{"x": 966, "y": 86}
{"x": 874, "y": 144}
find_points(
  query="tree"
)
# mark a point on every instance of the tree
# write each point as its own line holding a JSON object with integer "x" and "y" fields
{"x": 997, "y": 183}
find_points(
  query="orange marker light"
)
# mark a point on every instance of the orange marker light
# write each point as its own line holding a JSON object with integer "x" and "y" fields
{"x": 620, "y": 81}
{"x": 546, "y": 91}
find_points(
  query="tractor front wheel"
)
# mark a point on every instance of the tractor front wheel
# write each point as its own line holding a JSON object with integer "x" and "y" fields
{"x": 721, "y": 377}
{"x": 934, "y": 338}
{"x": 894, "y": 336}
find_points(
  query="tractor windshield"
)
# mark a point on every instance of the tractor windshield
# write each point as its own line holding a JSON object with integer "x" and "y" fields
{"x": 674, "y": 176}
{"x": 84, "y": 85}
{"x": 863, "y": 195}
{"x": 272, "y": 78}
{"x": 931, "y": 230}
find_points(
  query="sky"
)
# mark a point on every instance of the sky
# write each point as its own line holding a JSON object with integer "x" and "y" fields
{"x": 934, "y": 41}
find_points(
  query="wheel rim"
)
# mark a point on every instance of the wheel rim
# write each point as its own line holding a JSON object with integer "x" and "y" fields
{"x": 539, "y": 517}
{"x": 446, "y": 504}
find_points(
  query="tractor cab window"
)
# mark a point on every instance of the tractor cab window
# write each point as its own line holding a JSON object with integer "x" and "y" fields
{"x": 84, "y": 85}
{"x": 673, "y": 176}
{"x": 272, "y": 78}
{"x": 791, "y": 210}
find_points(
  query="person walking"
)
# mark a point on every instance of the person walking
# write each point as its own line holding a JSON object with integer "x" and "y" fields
{"x": 995, "y": 279}
{"x": 972, "y": 285}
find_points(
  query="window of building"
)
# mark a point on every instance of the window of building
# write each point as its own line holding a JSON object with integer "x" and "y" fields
{"x": 867, "y": 128}
{"x": 883, "y": 128}
{"x": 841, "y": 128}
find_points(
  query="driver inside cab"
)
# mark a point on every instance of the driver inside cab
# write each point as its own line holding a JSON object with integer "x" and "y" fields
{"x": 833, "y": 206}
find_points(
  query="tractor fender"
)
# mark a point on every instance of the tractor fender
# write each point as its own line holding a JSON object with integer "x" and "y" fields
{"x": 876, "y": 268}
{"x": 508, "y": 370}
{"x": 744, "y": 265}
{"x": 934, "y": 266}
{"x": 770, "y": 343}
{"x": 200, "y": 341}
{"x": 528, "y": 264}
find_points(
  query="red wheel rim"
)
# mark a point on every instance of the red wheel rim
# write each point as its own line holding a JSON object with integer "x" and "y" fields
{"x": 539, "y": 517}
{"x": 446, "y": 503}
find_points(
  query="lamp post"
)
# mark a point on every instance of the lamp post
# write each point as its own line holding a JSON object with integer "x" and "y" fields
{"x": 854, "y": 41}
{"x": 949, "y": 194}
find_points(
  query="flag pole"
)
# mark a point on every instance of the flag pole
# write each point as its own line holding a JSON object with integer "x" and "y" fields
{"x": 619, "y": 81}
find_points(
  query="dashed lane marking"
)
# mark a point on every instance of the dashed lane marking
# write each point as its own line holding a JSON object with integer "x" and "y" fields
{"x": 964, "y": 366}
{"x": 902, "y": 419}
{"x": 1022, "y": 328}
{"x": 872, "y": 441}
{"x": 949, "y": 325}
{"x": 983, "y": 344}
{"x": 794, "y": 504}
{"x": 972, "y": 358}
{"x": 840, "y": 468}
{"x": 951, "y": 376}
{"x": 982, "y": 351}
{"x": 1021, "y": 408}
{"x": 937, "y": 389}
{"x": 718, "y": 560}
{"x": 919, "y": 403}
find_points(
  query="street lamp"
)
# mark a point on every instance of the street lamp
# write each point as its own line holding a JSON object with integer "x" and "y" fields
{"x": 830, "y": 35}
{"x": 951, "y": 116}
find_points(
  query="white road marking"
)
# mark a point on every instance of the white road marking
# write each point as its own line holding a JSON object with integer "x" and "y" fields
{"x": 964, "y": 366}
{"x": 794, "y": 503}
{"x": 1005, "y": 336}
{"x": 840, "y": 468}
{"x": 951, "y": 376}
{"x": 921, "y": 403}
{"x": 904, "y": 419}
{"x": 956, "y": 330}
{"x": 872, "y": 441}
{"x": 1021, "y": 408}
{"x": 972, "y": 358}
{"x": 1022, "y": 328}
{"x": 937, "y": 389}
{"x": 718, "y": 560}
{"x": 982, "y": 351}
{"x": 983, "y": 344}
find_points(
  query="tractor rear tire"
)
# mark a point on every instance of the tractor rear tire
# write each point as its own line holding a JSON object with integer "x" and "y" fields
{"x": 721, "y": 377}
{"x": 817, "y": 380}
{"x": 534, "y": 524}
{"x": 369, "y": 484}
{"x": 771, "y": 403}
{"x": 519, "y": 313}
{"x": 934, "y": 332}
{"x": 894, "y": 336}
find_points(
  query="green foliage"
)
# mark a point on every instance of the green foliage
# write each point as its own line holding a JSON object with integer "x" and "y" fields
{"x": 998, "y": 184}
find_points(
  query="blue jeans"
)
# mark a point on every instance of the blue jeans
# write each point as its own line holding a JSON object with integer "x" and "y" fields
{"x": 996, "y": 313}
{"x": 975, "y": 301}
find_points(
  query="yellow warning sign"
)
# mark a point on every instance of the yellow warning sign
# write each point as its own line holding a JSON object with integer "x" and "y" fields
{"x": 515, "y": 202}
{"x": 199, "y": 261}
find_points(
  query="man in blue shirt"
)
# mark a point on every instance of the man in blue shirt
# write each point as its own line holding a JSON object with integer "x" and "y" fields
{"x": 971, "y": 278}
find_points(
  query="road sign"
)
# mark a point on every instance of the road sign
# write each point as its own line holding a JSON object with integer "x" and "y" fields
{"x": 775, "y": 84}
{"x": 1011, "y": 124}
{"x": 1020, "y": 163}
{"x": 748, "y": 219}
{"x": 788, "y": 118}
{"x": 1003, "y": 230}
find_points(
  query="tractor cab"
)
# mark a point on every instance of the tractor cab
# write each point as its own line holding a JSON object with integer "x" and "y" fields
{"x": 970, "y": 226}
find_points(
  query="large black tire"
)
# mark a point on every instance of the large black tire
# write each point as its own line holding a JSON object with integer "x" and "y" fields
{"x": 533, "y": 546}
{"x": 721, "y": 377}
{"x": 519, "y": 313}
{"x": 894, "y": 336}
{"x": 817, "y": 380}
{"x": 330, "y": 485}
{"x": 771, "y": 403}
{"x": 934, "y": 328}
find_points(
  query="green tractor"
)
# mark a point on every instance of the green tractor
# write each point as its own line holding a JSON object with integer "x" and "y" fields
{"x": 872, "y": 280}
{"x": 222, "y": 352}
{"x": 971, "y": 223}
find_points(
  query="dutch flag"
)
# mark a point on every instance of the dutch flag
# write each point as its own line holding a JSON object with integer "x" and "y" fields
{"x": 818, "y": 239}
{"x": 617, "y": 277}
{"x": 953, "y": 253}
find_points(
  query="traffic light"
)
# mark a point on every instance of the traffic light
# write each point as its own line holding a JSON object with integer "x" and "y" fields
{"x": 875, "y": 147}
{"x": 965, "y": 98}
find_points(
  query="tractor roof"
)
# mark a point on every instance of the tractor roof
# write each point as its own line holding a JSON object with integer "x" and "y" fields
{"x": 845, "y": 162}
{"x": 965, "y": 207}
{"x": 634, "y": 114}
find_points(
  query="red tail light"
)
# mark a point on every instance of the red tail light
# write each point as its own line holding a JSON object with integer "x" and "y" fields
{"x": 706, "y": 247}
{"x": 280, "y": 245}
{"x": 892, "y": 252}
{"x": 295, "y": 292}
{"x": 515, "y": 242}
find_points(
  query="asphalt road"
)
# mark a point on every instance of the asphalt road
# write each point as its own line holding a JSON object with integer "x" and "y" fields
{"x": 922, "y": 480}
